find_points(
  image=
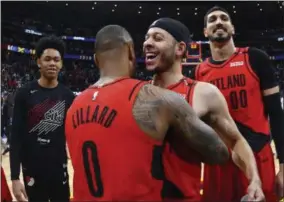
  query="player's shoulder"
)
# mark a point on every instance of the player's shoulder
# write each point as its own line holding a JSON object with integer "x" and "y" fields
{"x": 206, "y": 90}
{"x": 191, "y": 80}
{"x": 29, "y": 85}
{"x": 153, "y": 91}
{"x": 81, "y": 95}
{"x": 66, "y": 91}
{"x": 160, "y": 96}
{"x": 27, "y": 88}
{"x": 256, "y": 52}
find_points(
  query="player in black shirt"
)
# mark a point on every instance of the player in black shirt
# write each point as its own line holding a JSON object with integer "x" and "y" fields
{"x": 38, "y": 136}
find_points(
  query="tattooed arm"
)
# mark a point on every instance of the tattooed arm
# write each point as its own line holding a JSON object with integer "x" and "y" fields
{"x": 156, "y": 110}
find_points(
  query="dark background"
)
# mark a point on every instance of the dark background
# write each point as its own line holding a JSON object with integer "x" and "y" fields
{"x": 257, "y": 24}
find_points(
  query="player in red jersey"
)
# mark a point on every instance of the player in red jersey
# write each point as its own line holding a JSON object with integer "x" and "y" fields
{"x": 246, "y": 79}
{"x": 5, "y": 192}
{"x": 116, "y": 128}
{"x": 164, "y": 47}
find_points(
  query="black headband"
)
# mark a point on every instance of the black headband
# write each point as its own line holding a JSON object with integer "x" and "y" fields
{"x": 175, "y": 28}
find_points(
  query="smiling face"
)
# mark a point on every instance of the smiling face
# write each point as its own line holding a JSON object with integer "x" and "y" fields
{"x": 219, "y": 27}
{"x": 159, "y": 49}
{"x": 50, "y": 63}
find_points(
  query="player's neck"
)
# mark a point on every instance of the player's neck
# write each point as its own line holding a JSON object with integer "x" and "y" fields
{"x": 169, "y": 77}
{"x": 45, "y": 83}
{"x": 109, "y": 74}
{"x": 221, "y": 52}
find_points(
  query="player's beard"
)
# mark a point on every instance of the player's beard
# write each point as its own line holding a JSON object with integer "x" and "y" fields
{"x": 220, "y": 39}
{"x": 166, "y": 62}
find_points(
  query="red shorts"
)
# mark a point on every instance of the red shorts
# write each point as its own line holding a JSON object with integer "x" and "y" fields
{"x": 5, "y": 192}
{"x": 228, "y": 183}
{"x": 184, "y": 176}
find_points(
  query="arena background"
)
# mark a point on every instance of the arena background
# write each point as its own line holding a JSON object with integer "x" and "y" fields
{"x": 258, "y": 24}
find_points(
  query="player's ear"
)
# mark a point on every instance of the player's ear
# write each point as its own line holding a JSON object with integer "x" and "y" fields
{"x": 131, "y": 53}
{"x": 96, "y": 60}
{"x": 60, "y": 64}
{"x": 38, "y": 62}
{"x": 205, "y": 32}
{"x": 233, "y": 29}
{"x": 181, "y": 48}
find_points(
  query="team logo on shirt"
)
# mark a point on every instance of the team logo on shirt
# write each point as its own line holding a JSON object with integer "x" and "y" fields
{"x": 95, "y": 95}
{"x": 237, "y": 64}
{"x": 52, "y": 119}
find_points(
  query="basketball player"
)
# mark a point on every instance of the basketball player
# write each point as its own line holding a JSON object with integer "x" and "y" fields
{"x": 116, "y": 129}
{"x": 38, "y": 137}
{"x": 164, "y": 48}
{"x": 246, "y": 78}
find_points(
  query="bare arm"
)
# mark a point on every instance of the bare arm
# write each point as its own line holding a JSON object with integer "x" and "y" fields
{"x": 221, "y": 120}
{"x": 163, "y": 109}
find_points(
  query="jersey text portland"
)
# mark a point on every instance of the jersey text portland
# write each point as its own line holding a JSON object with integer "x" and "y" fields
{"x": 240, "y": 85}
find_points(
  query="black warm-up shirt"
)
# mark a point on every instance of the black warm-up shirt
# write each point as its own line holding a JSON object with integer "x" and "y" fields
{"x": 38, "y": 137}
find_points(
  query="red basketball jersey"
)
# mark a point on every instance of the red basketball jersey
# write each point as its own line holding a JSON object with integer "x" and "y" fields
{"x": 5, "y": 192}
{"x": 183, "y": 176}
{"x": 112, "y": 158}
{"x": 241, "y": 88}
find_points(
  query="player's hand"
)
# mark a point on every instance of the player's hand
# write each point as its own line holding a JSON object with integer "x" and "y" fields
{"x": 255, "y": 192}
{"x": 19, "y": 190}
{"x": 279, "y": 182}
